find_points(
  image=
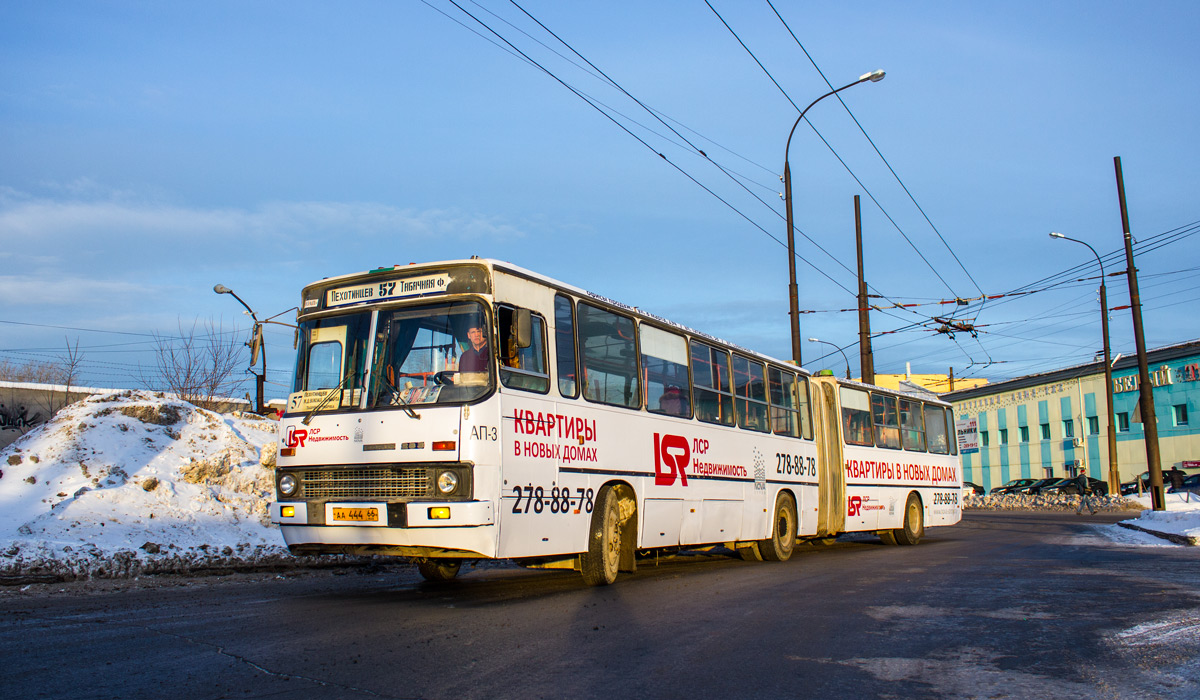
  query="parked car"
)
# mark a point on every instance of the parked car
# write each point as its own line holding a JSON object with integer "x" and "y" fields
{"x": 1131, "y": 487}
{"x": 1037, "y": 486}
{"x": 1070, "y": 488}
{"x": 1014, "y": 484}
{"x": 974, "y": 487}
{"x": 1191, "y": 483}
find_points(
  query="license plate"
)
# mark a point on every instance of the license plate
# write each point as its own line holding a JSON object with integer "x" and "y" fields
{"x": 356, "y": 515}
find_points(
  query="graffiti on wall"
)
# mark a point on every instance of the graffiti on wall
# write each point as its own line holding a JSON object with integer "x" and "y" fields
{"x": 18, "y": 417}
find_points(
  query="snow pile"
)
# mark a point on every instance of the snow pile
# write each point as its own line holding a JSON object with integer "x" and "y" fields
{"x": 1060, "y": 502}
{"x": 1181, "y": 517}
{"x": 135, "y": 482}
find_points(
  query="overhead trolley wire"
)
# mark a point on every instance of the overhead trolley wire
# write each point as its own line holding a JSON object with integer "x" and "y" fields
{"x": 621, "y": 126}
{"x": 881, "y": 157}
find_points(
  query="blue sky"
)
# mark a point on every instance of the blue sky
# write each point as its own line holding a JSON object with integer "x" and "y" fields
{"x": 150, "y": 150}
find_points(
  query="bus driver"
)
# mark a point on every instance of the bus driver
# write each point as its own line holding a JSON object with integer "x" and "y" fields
{"x": 475, "y": 358}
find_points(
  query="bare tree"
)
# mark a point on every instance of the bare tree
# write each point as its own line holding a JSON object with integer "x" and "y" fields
{"x": 69, "y": 365}
{"x": 22, "y": 412}
{"x": 198, "y": 367}
{"x": 34, "y": 372}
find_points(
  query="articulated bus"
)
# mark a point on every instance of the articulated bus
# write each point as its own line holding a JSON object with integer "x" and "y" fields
{"x": 466, "y": 410}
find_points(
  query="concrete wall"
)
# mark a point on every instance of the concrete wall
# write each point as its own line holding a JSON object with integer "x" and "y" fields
{"x": 24, "y": 406}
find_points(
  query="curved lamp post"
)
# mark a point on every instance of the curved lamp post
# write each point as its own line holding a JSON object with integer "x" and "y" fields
{"x": 793, "y": 295}
{"x": 255, "y": 339}
{"x": 817, "y": 340}
{"x": 1114, "y": 475}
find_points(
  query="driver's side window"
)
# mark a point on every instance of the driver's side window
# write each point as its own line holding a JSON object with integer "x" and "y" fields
{"x": 523, "y": 368}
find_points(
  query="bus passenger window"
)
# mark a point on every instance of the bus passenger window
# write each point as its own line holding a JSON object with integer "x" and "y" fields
{"x": 564, "y": 346}
{"x": 856, "y": 417}
{"x": 887, "y": 421}
{"x": 788, "y": 396}
{"x": 523, "y": 368}
{"x": 608, "y": 357}
{"x": 935, "y": 429}
{"x": 750, "y": 388}
{"x": 912, "y": 425}
{"x": 710, "y": 379}
{"x": 665, "y": 368}
{"x": 782, "y": 392}
{"x": 953, "y": 431}
{"x": 805, "y": 411}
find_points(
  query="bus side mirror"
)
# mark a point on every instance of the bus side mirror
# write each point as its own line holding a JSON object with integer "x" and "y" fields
{"x": 522, "y": 327}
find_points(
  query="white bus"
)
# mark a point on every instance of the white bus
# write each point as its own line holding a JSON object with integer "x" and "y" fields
{"x": 474, "y": 410}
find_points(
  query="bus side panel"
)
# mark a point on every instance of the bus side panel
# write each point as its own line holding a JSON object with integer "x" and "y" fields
{"x": 545, "y": 511}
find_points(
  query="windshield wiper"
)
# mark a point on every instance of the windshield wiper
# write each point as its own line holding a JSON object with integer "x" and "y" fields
{"x": 337, "y": 391}
{"x": 406, "y": 405}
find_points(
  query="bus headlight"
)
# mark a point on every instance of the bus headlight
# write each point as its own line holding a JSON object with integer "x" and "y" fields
{"x": 447, "y": 482}
{"x": 288, "y": 485}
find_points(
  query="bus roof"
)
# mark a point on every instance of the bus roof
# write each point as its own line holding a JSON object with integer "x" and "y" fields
{"x": 516, "y": 270}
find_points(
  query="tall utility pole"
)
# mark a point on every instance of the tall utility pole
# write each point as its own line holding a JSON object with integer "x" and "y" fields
{"x": 866, "y": 358}
{"x": 1114, "y": 473}
{"x": 1145, "y": 388}
{"x": 793, "y": 294}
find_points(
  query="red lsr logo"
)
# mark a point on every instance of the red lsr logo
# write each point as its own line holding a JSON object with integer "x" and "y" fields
{"x": 855, "y": 507}
{"x": 671, "y": 458}
{"x": 295, "y": 438}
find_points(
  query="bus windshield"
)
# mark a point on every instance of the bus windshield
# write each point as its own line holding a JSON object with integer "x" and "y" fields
{"x": 431, "y": 354}
{"x": 415, "y": 360}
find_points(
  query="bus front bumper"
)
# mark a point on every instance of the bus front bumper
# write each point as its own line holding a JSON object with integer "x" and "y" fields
{"x": 419, "y": 514}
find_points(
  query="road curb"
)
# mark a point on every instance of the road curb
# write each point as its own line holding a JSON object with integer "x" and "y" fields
{"x": 1177, "y": 539}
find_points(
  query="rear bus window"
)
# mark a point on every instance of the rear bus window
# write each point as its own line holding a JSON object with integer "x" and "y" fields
{"x": 935, "y": 430}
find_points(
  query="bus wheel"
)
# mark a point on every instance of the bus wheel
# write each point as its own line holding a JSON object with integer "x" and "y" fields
{"x": 600, "y": 562}
{"x": 750, "y": 552}
{"x": 783, "y": 533}
{"x": 914, "y": 523}
{"x": 439, "y": 569}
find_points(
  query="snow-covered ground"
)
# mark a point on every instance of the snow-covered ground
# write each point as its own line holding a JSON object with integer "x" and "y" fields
{"x": 1181, "y": 517}
{"x": 135, "y": 482}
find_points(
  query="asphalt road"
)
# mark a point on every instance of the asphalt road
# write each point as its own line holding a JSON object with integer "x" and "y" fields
{"x": 1004, "y": 605}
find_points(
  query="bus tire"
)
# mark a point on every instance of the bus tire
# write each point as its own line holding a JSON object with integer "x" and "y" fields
{"x": 600, "y": 563}
{"x": 750, "y": 552}
{"x": 779, "y": 546}
{"x": 439, "y": 569}
{"x": 914, "y": 522}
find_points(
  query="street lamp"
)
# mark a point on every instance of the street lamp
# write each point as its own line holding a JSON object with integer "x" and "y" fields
{"x": 793, "y": 295}
{"x": 816, "y": 340}
{"x": 256, "y": 344}
{"x": 1114, "y": 474}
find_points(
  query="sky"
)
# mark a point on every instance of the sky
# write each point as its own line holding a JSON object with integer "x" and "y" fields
{"x": 151, "y": 150}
